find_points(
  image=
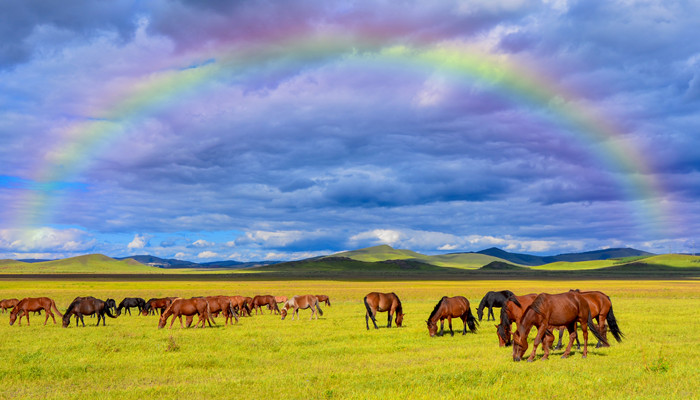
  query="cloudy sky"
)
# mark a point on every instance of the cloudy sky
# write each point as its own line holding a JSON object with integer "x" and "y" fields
{"x": 209, "y": 130}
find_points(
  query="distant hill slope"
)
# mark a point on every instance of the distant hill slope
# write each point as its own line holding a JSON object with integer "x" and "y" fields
{"x": 385, "y": 252}
{"x": 171, "y": 263}
{"x": 87, "y": 264}
{"x": 530, "y": 260}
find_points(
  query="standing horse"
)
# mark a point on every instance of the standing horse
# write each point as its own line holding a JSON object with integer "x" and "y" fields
{"x": 28, "y": 304}
{"x": 379, "y": 302}
{"x": 322, "y": 298}
{"x": 565, "y": 309}
{"x": 302, "y": 302}
{"x": 490, "y": 300}
{"x": 451, "y": 307}
{"x": 157, "y": 304}
{"x": 265, "y": 300}
{"x": 8, "y": 303}
{"x": 87, "y": 306}
{"x": 130, "y": 302}
{"x": 281, "y": 299}
{"x": 239, "y": 303}
{"x": 187, "y": 307}
{"x": 224, "y": 305}
{"x": 601, "y": 311}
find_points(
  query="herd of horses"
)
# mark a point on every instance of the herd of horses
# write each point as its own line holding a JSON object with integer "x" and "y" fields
{"x": 546, "y": 312}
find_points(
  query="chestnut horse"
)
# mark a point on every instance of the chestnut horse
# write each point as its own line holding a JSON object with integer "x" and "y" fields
{"x": 240, "y": 303}
{"x": 224, "y": 305}
{"x": 28, "y": 304}
{"x": 451, "y": 307}
{"x": 564, "y": 309}
{"x": 266, "y": 300}
{"x": 490, "y": 300}
{"x": 322, "y": 298}
{"x": 379, "y": 302}
{"x": 186, "y": 307}
{"x": 281, "y": 299}
{"x": 601, "y": 311}
{"x": 87, "y": 306}
{"x": 302, "y": 302}
{"x": 157, "y": 304}
{"x": 8, "y": 303}
{"x": 512, "y": 311}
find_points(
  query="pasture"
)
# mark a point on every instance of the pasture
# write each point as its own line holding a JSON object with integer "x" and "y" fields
{"x": 336, "y": 357}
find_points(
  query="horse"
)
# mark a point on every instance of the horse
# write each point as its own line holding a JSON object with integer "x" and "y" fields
{"x": 322, "y": 298}
{"x": 265, "y": 300}
{"x": 302, "y": 302}
{"x": 130, "y": 302}
{"x": 240, "y": 303}
{"x": 224, "y": 305}
{"x": 157, "y": 304}
{"x": 490, "y": 300}
{"x": 281, "y": 299}
{"x": 379, "y": 302}
{"x": 451, "y": 307}
{"x": 87, "y": 306}
{"x": 547, "y": 310}
{"x": 601, "y": 311}
{"x": 248, "y": 301}
{"x": 187, "y": 307}
{"x": 8, "y": 303}
{"x": 512, "y": 311}
{"x": 111, "y": 304}
{"x": 28, "y": 304}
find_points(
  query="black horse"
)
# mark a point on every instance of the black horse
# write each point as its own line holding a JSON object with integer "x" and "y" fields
{"x": 87, "y": 306}
{"x": 130, "y": 302}
{"x": 492, "y": 299}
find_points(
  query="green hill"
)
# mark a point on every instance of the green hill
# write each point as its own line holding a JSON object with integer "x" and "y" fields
{"x": 87, "y": 264}
{"x": 385, "y": 252}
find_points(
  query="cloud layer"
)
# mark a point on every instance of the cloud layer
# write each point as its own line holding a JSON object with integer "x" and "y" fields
{"x": 290, "y": 158}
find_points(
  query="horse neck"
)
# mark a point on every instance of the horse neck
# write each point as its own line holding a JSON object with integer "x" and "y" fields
{"x": 528, "y": 320}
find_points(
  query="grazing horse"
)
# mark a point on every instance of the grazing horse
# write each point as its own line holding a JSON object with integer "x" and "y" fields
{"x": 28, "y": 304}
{"x": 87, "y": 306}
{"x": 322, "y": 298}
{"x": 547, "y": 310}
{"x": 187, "y": 307}
{"x": 281, "y": 299}
{"x": 302, "y": 302}
{"x": 490, "y": 300}
{"x": 379, "y": 302}
{"x": 265, "y": 300}
{"x": 8, "y": 303}
{"x": 601, "y": 311}
{"x": 224, "y": 305}
{"x": 451, "y": 307}
{"x": 130, "y": 302}
{"x": 157, "y": 304}
{"x": 240, "y": 303}
{"x": 512, "y": 311}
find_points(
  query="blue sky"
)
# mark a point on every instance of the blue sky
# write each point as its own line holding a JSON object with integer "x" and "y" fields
{"x": 205, "y": 130}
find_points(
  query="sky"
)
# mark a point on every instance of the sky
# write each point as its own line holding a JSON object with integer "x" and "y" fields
{"x": 208, "y": 130}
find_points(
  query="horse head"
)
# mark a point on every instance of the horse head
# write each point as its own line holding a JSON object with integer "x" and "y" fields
{"x": 503, "y": 335}
{"x": 432, "y": 328}
{"x": 13, "y": 315}
{"x": 519, "y": 345}
{"x": 66, "y": 320}
{"x": 284, "y": 313}
{"x": 399, "y": 318}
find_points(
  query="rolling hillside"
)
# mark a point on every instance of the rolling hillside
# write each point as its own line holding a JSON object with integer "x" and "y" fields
{"x": 88, "y": 264}
{"x": 453, "y": 260}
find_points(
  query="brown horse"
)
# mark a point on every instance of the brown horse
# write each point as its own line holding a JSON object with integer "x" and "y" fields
{"x": 224, "y": 305}
{"x": 8, "y": 303}
{"x": 512, "y": 311}
{"x": 601, "y": 310}
{"x": 451, "y": 307}
{"x": 322, "y": 298}
{"x": 157, "y": 304}
{"x": 379, "y": 302}
{"x": 547, "y": 310}
{"x": 87, "y": 306}
{"x": 239, "y": 303}
{"x": 281, "y": 299}
{"x": 265, "y": 300}
{"x": 186, "y": 307}
{"x": 302, "y": 302}
{"x": 28, "y": 304}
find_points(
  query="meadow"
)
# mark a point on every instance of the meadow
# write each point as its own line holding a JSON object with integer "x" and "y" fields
{"x": 335, "y": 356}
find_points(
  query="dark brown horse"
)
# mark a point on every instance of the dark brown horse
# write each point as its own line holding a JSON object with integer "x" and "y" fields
{"x": 448, "y": 308}
{"x": 8, "y": 303}
{"x": 131, "y": 302}
{"x": 180, "y": 307}
{"x": 601, "y": 310}
{"x": 322, "y": 298}
{"x": 87, "y": 306}
{"x": 491, "y": 300}
{"x": 564, "y": 309}
{"x": 154, "y": 304}
{"x": 379, "y": 302}
{"x": 28, "y": 304}
{"x": 302, "y": 302}
{"x": 264, "y": 300}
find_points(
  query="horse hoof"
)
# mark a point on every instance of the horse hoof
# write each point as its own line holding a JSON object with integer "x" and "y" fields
{"x": 565, "y": 356}
{"x": 529, "y": 360}
{"x": 584, "y": 357}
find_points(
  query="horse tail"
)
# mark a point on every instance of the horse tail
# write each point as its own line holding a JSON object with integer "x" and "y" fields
{"x": 612, "y": 323}
{"x": 471, "y": 321}
{"x": 514, "y": 300}
{"x": 594, "y": 329}
{"x": 369, "y": 309}
{"x": 210, "y": 318}
{"x": 232, "y": 311}
{"x": 318, "y": 308}
{"x": 53, "y": 305}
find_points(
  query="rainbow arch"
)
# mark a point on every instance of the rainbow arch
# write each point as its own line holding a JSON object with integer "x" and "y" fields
{"x": 146, "y": 95}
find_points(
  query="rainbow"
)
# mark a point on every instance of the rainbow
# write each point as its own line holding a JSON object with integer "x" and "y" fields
{"x": 144, "y": 96}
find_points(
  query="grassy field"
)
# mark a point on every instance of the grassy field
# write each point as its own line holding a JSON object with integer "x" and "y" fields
{"x": 336, "y": 357}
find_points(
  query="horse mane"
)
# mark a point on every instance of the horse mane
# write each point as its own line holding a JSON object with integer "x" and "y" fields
{"x": 437, "y": 306}
{"x": 537, "y": 304}
{"x": 71, "y": 306}
{"x": 399, "y": 308}
{"x": 507, "y": 293}
{"x": 514, "y": 300}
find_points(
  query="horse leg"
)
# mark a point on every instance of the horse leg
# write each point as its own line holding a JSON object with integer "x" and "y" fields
{"x": 538, "y": 339}
{"x": 572, "y": 336}
{"x": 442, "y": 327}
{"x": 47, "y": 317}
{"x": 449, "y": 321}
{"x": 490, "y": 314}
{"x": 390, "y": 315}
{"x": 584, "y": 328}
{"x": 559, "y": 345}
{"x": 547, "y": 343}
{"x": 464, "y": 320}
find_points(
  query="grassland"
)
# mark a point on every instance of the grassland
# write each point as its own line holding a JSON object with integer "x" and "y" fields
{"x": 87, "y": 264}
{"x": 335, "y": 357}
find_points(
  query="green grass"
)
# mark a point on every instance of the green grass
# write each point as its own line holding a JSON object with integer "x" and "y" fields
{"x": 336, "y": 357}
